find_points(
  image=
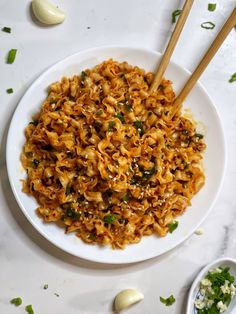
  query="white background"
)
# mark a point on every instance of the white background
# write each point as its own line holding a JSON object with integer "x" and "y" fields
{"x": 28, "y": 261}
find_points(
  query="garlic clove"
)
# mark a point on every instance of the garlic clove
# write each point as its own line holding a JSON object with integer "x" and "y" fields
{"x": 47, "y": 13}
{"x": 126, "y": 298}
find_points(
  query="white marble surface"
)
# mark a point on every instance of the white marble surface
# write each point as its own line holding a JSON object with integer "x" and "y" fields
{"x": 28, "y": 261}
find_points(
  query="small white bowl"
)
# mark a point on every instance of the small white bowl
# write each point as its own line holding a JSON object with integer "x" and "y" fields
{"x": 225, "y": 262}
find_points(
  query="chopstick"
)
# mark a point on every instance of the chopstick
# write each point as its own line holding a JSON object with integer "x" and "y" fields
{"x": 228, "y": 26}
{"x": 171, "y": 45}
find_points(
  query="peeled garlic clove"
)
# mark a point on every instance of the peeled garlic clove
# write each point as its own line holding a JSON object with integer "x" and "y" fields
{"x": 126, "y": 298}
{"x": 47, "y": 13}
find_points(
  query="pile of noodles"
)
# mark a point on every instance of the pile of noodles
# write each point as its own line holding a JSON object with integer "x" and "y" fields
{"x": 103, "y": 158}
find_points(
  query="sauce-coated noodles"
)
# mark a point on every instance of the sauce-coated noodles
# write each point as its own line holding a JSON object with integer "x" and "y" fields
{"x": 102, "y": 157}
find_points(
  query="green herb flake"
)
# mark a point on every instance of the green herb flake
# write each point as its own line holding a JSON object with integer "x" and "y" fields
{"x": 6, "y": 29}
{"x": 125, "y": 198}
{"x": 11, "y": 56}
{"x": 34, "y": 122}
{"x": 45, "y": 287}
{"x": 139, "y": 126}
{"x": 133, "y": 180}
{"x": 175, "y": 14}
{"x": 29, "y": 309}
{"x": 68, "y": 190}
{"x": 148, "y": 173}
{"x": 109, "y": 219}
{"x": 211, "y": 7}
{"x": 200, "y": 136}
{"x": 83, "y": 76}
{"x": 52, "y": 101}
{"x": 173, "y": 225}
{"x": 111, "y": 126}
{"x": 9, "y": 91}
{"x": 93, "y": 237}
{"x": 120, "y": 116}
{"x": 16, "y": 301}
{"x": 99, "y": 112}
{"x": 56, "y": 294}
{"x": 128, "y": 108}
{"x": 71, "y": 213}
{"x": 168, "y": 301}
{"x": 233, "y": 78}
{"x": 208, "y": 25}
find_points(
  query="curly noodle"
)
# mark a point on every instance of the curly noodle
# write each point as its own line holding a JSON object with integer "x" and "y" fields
{"x": 102, "y": 157}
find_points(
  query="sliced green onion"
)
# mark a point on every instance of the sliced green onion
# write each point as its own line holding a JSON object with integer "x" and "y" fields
{"x": 120, "y": 116}
{"x": 175, "y": 14}
{"x": 111, "y": 125}
{"x": 71, "y": 213}
{"x": 6, "y": 29}
{"x": 200, "y": 136}
{"x": 45, "y": 287}
{"x": 109, "y": 219}
{"x": 128, "y": 108}
{"x": 211, "y": 7}
{"x": 11, "y": 56}
{"x": 99, "y": 112}
{"x": 9, "y": 90}
{"x": 173, "y": 225}
{"x": 168, "y": 301}
{"x": 68, "y": 190}
{"x": 125, "y": 198}
{"x": 233, "y": 78}
{"x": 208, "y": 25}
{"x": 139, "y": 126}
{"x": 16, "y": 301}
{"x": 29, "y": 309}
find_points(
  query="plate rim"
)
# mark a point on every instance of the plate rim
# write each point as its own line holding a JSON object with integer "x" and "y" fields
{"x": 38, "y": 228}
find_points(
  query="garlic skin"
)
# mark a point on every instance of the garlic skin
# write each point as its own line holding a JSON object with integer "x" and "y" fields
{"x": 47, "y": 13}
{"x": 126, "y": 298}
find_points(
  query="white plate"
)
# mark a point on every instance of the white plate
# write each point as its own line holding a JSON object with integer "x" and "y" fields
{"x": 200, "y": 106}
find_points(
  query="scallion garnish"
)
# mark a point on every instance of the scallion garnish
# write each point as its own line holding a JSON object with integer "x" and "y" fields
{"x": 175, "y": 14}
{"x": 111, "y": 126}
{"x": 45, "y": 287}
{"x": 29, "y": 309}
{"x": 120, "y": 116}
{"x": 71, "y": 213}
{"x": 233, "y": 78}
{"x": 6, "y": 29}
{"x": 125, "y": 198}
{"x": 208, "y": 25}
{"x": 109, "y": 219}
{"x": 139, "y": 126}
{"x": 173, "y": 225}
{"x": 128, "y": 108}
{"x": 99, "y": 112}
{"x": 16, "y": 301}
{"x": 168, "y": 301}
{"x": 200, "y": 136}
{"x": 211, "y": 7}
{"x": 9, "y": 90}
{"x": 11, "y": 56}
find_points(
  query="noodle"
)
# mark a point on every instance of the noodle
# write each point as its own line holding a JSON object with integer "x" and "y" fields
{"x": 102, "y": 158}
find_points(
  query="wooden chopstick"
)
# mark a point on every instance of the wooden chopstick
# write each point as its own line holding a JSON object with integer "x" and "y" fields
{"x": 228, "y": 26}
{"x": 171, "y": 46}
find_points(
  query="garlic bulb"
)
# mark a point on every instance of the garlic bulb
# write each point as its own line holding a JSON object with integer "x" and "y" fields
{"x": 126, "y": 298}
{"x": 47, "y": 13}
